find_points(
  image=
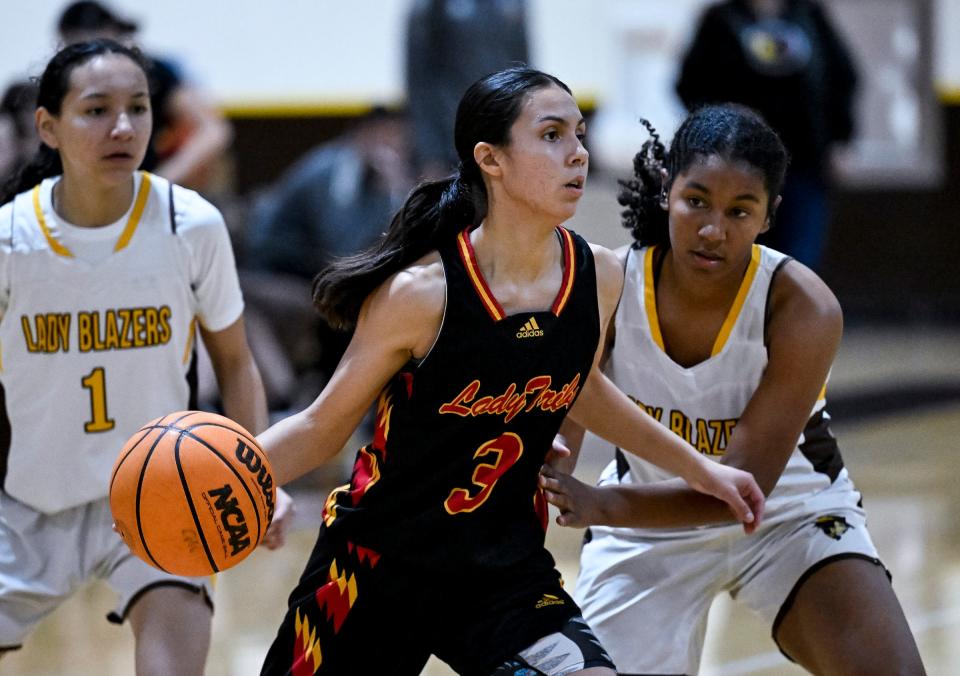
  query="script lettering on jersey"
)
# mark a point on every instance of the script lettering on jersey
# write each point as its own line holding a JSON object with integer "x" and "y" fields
{"x": 536, "y": 394}
{"x": 708, "y": 436}
{"x": 231, "y": 518}
{"x": 97, "y": 331}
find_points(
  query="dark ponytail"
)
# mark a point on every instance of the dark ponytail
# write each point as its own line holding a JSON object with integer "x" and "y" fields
{"x": 435, "y": 211}
{"x": 642, "y": 195}
{"x": 53, "y": 87}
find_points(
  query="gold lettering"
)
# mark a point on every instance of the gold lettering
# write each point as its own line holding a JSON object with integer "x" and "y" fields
{"x": 126, "y": 328}
{"x": 164, "y": 324}
{"x": 703, "y": 436}
{"x": 139, "y": 322}
{"x": 63, "y": 322}
{"x": 110, "y": 334}
{"x": 152, "y": 337}
{"x": 84, "y": 337}
{"x": 32, "y": 344}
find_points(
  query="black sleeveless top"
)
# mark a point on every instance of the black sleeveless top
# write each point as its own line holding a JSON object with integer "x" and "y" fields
{"x": 451, "y": 475}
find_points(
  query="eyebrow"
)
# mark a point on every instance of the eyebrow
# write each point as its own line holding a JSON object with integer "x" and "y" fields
{"x": 104, "y": 95}
{"x": 562, "y": 120}
{"x": 702, "y": 188}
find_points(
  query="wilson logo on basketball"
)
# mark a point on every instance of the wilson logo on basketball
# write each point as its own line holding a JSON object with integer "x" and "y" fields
{"x": 231, "y": 518}
{"x": 251, "y": 460}
{"x": 530, "y": 330}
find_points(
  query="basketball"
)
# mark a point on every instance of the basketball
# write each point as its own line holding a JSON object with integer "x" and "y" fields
{"x": 192, "y": 493}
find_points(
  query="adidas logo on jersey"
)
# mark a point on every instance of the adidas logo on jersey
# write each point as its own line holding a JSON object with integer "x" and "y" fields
{"x": 530, "y": 330}
{"x": 549, "y": 600}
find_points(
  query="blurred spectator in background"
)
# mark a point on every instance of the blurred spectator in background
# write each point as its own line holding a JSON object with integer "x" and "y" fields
{"x": 18, "y": 133}
{"x": 189, "y": 134}
{"x": 451, "y": 44}
{"x": 335, "y": 201}
{"x": 784, "y": 59}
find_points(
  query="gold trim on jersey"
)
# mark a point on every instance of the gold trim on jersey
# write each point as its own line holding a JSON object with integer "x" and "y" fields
{"x": 134, "y": 220}
{"x": 55, "y": 246}
{"x": 569, "y": 272}
{"x": 138, "y": 206}
{"x": 479, "y": 283}
{"x": 490, "y": 302}
{"x": 650, "y": 300}
{"x": 734, "y": 313}
{"x": 191, "y": 332}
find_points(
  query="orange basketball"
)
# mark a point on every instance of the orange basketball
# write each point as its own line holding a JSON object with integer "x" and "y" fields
{"x": 192, "y": 493}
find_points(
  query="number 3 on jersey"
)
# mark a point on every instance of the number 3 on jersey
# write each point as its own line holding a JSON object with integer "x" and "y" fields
{"x": 508, "y": 448}
{"x": 96, "y": 382}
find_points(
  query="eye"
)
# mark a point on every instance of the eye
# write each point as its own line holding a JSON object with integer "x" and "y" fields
{"x": 738, "y": 212}
{"x": 696, "y": 202}
{"x": 139, "y": 109}
{"x": 96, "y": 111}
{"x": 551, "y": 135}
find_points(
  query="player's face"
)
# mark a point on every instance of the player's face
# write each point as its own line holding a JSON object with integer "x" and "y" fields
{"x": 545, "y": 164}
{"x": 717, "y": 210}
{"x": 104, "y": 123}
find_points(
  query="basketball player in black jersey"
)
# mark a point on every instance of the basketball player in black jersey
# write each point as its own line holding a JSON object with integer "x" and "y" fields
{"x": 477, "y": 320}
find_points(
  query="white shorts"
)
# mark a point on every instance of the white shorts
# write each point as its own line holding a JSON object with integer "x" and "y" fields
{"x": 647, "y": 597}
{"x": 44, "y": 558}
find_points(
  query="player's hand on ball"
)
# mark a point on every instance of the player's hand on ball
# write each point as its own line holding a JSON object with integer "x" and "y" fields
{"x": 282, "y": 518}
{"x": 579, "y": 504}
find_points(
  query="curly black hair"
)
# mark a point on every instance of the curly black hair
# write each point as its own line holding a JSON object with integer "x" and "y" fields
{"x": 733, "y": 132}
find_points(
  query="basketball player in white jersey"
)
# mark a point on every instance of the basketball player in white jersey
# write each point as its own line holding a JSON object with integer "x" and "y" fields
{"x": 107, "y": 275}
{"x": 728, "y": 344}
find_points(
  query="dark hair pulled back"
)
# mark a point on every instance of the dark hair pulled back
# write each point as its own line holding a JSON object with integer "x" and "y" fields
{"x": 435, "y": 211}
{"x": 52, "y": 88}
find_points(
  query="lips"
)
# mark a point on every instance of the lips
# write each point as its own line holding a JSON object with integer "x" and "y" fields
{"x": 577, "y": 183}
{"x": 708, "y": 255}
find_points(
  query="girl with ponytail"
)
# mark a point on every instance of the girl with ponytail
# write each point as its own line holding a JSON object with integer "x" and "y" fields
{"x": 477, "y": 320}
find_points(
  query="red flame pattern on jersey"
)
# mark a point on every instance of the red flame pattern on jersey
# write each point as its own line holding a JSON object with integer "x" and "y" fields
{"x": 337, "y": 596}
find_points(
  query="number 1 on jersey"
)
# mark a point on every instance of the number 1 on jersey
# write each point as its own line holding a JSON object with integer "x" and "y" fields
{"x": 96, "y": 382}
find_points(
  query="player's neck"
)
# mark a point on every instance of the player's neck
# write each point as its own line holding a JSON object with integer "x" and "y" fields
{"x": 515, "y": 252}
{"x": 89, "y": 204}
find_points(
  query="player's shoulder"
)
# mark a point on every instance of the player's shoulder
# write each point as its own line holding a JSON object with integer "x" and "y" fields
{"x": 192, "y": 211}
{"x": 800, "y": 295}
{"x": 421, "y": 283}
{"x": 609, "y": 266}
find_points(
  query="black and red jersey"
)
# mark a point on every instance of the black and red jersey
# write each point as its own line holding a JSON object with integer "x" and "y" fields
{"x": 451, "y": 475}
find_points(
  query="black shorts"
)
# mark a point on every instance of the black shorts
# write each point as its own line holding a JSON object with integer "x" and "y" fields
{"x": 356, "y": 612}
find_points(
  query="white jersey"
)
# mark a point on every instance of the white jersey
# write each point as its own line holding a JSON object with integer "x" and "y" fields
{"x": 703, "y": 403}
{"x": 97, "y": 331}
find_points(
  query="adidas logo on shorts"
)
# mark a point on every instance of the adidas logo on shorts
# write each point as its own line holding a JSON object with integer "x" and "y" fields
{"x": 530, "y": 330}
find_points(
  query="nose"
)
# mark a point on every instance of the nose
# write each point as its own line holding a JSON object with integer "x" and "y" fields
{"x": 713, "y": 230}
{"x": 580, "y": 154}
{"x": 122, "y": 128}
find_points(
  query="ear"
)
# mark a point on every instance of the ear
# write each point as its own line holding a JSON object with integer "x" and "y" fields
{"x": 46, "y": 124}
{"x": 773, "y": 210}
{"x": 487, "y": 158}
{"x": 664, "y": 196}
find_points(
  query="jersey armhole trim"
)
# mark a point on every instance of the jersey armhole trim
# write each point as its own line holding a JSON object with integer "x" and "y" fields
{"x": 766, "y": 303}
